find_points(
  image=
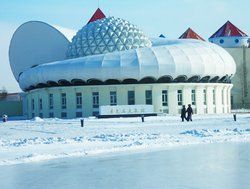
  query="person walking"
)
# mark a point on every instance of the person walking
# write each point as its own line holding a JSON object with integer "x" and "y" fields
{"x": 183, "y": 113}
{"x": 189, "y": 113}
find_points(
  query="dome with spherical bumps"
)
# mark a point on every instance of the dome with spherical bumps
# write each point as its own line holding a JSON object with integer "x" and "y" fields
{"x": 105, "y": 36}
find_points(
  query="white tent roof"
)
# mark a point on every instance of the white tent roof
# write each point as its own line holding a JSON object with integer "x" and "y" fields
{"x": 165, "y": 58}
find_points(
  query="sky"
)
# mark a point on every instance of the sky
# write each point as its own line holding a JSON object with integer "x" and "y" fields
{"x": 154, "y": 17}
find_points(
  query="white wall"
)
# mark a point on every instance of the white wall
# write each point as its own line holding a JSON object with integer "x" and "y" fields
{"x": 221, "y": 90}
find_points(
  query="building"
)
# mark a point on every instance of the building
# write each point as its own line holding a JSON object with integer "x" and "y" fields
{"x": 236, "y": 42}
{"x": 10, "y": 104}
{"x": 112, "y": 62}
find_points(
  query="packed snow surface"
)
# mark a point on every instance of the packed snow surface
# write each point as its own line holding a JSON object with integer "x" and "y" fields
{"x": 44, "y": 139}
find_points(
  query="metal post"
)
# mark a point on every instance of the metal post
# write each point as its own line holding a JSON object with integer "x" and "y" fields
{"x": 142, "y": 118}
{"x": 82, "y": 122}
{"x": 234, "y": 117}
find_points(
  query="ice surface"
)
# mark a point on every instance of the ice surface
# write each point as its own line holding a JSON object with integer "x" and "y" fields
{"x": 203, "y": 166}
{"x": 44, "y": 139}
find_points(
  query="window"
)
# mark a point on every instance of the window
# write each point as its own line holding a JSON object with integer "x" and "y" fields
{"x": 113, "y": 98}
{"x": 63, "y": 115}
{"x": 205, "y": 97}
{"x": 51, "y": 115}
{"x": 78, "y": 100}
{"x": 193, "y": 97}
{"x": 164, "y": 98}
{"x": 221, "y": 41}
{"x": 32, "y": 115}
{"x": 63, "y": 101}
{"x": 179, "y": 97}
{"x": 95, "y": 113}
{"x": 148, "y": 94}
{"x": 95, "y": 99}
{"x": 41, "y": 115}
{"x": 32, "y": 104}
{"x": 78, "y": 114}
{"x": 131, "y": 97}
{"x": 51, "y": 101}
{"x": 236, "y": 40}
{"x": 40, "y": 104}
{"x": 213, "y": 97}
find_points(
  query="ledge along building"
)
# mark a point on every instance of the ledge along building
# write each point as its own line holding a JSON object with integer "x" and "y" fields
{"x": 111, "y": 62}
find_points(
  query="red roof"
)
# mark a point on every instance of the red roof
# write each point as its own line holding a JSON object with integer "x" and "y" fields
{"x": 190, "y": 34}
{"x": 227, "y": 30}
{"x": 97, "y": 15}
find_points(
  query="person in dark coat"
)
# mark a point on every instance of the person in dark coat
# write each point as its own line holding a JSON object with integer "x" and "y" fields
{"x": 189, "y": 113}
{"x": 183, "y": 113}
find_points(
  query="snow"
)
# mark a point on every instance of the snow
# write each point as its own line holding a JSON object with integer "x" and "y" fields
{"x": 24, "y": 141}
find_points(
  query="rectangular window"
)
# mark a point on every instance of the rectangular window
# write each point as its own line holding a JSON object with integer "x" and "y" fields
{"x": 148, "y": 94}
{"x": 95, "y": 113}
{"x": 32, "y": 115}
{"x": 213, "y": 97}
{"x": 40, "y": 104}
{"x": 95, "y": 99}
{"x": 179, "y": 97}
{"x": 32, "y": 104}
{"x": 51, "y": 115}
{"x": 113, "y": 98}
{"x": 63, "y": 101}
{"x": 193, "y": 97}
{"x": 64, "y": 115}
{"x": 205, "y": 97}
{"x": 131, "y": 97}
{"x": 78, "y": 114}
{"x": 78, "y": 100}
{"x": 51, "y": 102}
{"x": 41, "y": 115}
{"x": 164, "y": 98}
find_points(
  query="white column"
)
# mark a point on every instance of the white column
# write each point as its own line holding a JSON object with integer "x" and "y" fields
{"x": 186, "y": 92}
{"x": 157, "y": 98}
{"x": 172, "y": 100}
{"x": 210, "y": 105}
{"x": 218, "y": 99}
{"x": 140, "y": 95}
{"x": 199, "y": 100}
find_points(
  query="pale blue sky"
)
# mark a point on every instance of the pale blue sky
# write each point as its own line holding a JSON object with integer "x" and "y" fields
{"x": 170, "y": 17}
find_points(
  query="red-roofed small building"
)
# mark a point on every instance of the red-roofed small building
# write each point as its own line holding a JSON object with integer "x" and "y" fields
{"x": 229, "y": 36}
{"x": 97, "y": 15}
{"x": 190, "y": 34}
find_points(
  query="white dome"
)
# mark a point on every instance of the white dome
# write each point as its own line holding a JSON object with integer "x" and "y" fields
{"x": 106, "y": 35}
{"x": 188, "y": 58}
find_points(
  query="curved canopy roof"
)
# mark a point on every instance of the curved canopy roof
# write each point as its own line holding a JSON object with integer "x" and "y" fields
{"x": 35, "y": 43}
{"x": 176, "y": 58}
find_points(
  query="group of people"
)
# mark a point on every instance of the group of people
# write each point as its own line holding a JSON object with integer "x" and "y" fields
{"x": 186, "y": 113}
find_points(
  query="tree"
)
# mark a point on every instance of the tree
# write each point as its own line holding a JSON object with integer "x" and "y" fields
{"x": 3, "y": 93}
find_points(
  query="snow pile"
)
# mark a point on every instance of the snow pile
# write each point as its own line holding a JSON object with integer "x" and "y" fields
{"x": 43, "y": 139}
{"x": 37, "y": 119}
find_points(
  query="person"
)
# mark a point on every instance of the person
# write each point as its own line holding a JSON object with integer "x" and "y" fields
{"x": 183, "y": 113}
{"x": 5, "y": 118}
{"x": 189, "y": 113}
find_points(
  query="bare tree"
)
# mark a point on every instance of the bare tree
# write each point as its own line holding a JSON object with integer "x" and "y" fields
{"x": 3, "y": 93}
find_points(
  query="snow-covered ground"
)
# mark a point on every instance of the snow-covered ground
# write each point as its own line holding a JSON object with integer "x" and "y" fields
{"x": 43, "y": 139}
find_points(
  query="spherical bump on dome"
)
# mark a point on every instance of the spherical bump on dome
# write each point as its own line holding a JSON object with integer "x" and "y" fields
{"x": 105, "y": 36}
